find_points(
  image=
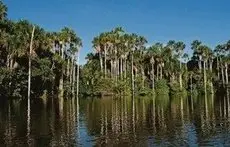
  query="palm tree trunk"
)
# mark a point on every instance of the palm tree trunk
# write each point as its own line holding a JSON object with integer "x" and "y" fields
{"x": 105, "y": 60}
{"x": 111, "y": 68}
{"x": 73, "y": 79}
{"x": 8, "y": 61}
{"x": 29, "y": 72}
{"x": 132, "y": 74}
{"x": 143, "y": 76}
{"x": 205, "y": 78}
{"x": 61, "y": 82}
{"x": 153, "y": 84}
{"x": 222, "y": 72}
{"x": 191, "y": 86}
{"x": 101, "y": 62}
{"x": 226, "y": 72}
{"x": 125, "y": 68}
{"x": 161, "y": 72}
{"x": 200, "y": 67}
{"x": 121, "y": 68}
{"x": 157, "y": 71}
{"x": 180, "y": 78}
{"x": 29, "y": 83}
{"x": 218, "y": 68}
{"x": 68, "y": 65}
{"x": 71, "y": 70}
{"x": 210, "y": 66}
{"x": 78, "y": 73}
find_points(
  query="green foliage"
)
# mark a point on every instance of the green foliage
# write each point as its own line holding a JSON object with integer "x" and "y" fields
{"x": 145, "y": 91}
{"x": 122, "y": 88}
{"x": 176, "y": 90}
{"x": 162, "y": 87}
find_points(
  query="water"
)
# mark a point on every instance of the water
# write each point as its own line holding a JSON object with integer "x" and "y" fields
{"x": 117, "y": 122}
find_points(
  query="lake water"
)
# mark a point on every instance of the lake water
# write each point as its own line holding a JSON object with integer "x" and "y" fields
{"x": 117, "y": 122}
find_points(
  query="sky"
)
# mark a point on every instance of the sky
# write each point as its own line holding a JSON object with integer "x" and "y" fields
{"x": 157, "y": 20}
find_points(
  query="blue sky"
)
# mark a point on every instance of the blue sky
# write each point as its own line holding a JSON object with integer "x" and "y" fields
{"x": 157, "y": 20}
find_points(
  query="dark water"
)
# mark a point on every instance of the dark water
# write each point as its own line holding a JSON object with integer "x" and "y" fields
{"x": 117, "y": 122}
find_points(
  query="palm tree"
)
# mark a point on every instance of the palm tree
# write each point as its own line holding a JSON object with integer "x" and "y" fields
{"x": 205, "y": 53}
{"x": 180, "y": 46}
{"x": 195, "y": 47}
{"x": 98, "y": 49}
{"x": 3, "y": 11}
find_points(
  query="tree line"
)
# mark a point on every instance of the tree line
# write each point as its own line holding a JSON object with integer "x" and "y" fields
{"x": 121, "y": 63}
{"x": 52, "y": 58}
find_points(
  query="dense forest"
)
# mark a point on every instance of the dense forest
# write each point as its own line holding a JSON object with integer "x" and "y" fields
{"x": 121, "y": 63}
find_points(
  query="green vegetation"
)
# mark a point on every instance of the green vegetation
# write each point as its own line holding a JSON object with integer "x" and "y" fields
{"x": 161, "y": 69}
{"x": 52, "y": 55}
{"x": 120, "y": 64}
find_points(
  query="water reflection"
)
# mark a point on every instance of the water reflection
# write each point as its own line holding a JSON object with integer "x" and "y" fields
{"x": 161, "y": 121}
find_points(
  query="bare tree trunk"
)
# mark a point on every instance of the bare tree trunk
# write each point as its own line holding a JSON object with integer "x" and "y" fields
{"x": 29, "y": 82}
